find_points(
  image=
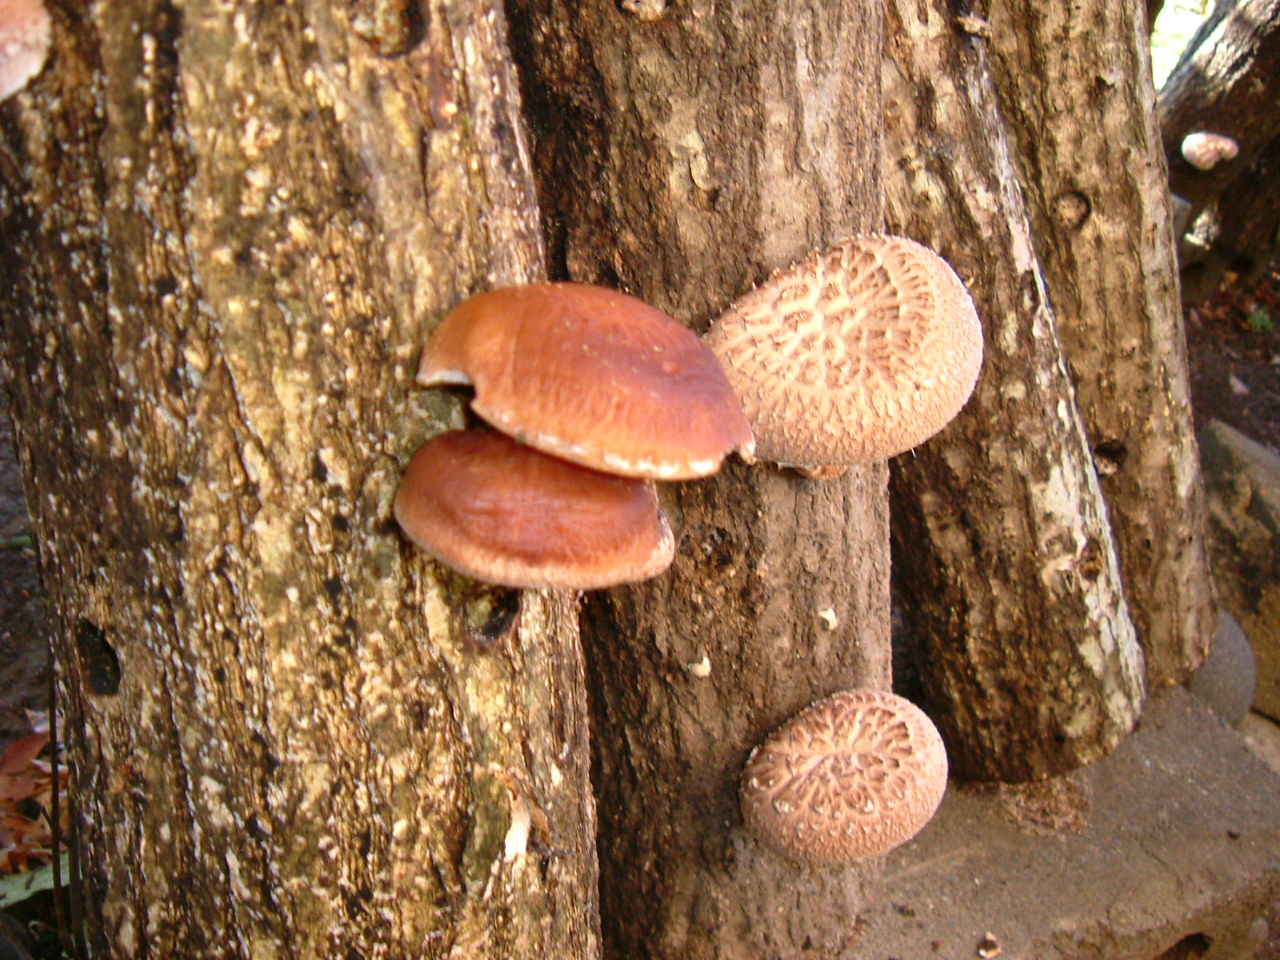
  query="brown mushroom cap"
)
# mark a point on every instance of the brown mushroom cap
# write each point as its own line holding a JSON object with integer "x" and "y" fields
{"x": 848, "y": 777}
{"x": 593, "y": 376}
{"x": 852, "y": 355}
{"x": 24, "y": 43}
{"x": 502, "y": 512}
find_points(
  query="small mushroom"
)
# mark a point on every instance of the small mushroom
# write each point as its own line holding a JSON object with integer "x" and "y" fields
{"x": 855, "y": 354}
{"x": 849, "y": 777}
{"x": 502, "y": 512}
{"x": 24, "y": 43}
{"x": 591, "y": 375}
{"x": 1204, "y": 150}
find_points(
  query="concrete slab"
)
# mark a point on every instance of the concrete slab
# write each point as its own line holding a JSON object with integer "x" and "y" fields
{"x": 1168, "y": 849}
{"x": 1242, "y": 496}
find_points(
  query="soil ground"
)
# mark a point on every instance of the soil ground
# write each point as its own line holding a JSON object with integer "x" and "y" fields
{"x": 1233, "y": 343}
{"x": 23, "y": 637}
{"x": 1234, "y": 346}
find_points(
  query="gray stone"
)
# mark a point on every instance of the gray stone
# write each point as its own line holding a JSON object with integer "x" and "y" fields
{"x": 1242, "y": 484}
{"x": 1228, "y": 678}
{"x": 1167, "y": 848}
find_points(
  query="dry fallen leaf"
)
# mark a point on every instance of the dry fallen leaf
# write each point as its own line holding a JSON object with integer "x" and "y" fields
{"x": 26, "y": 796}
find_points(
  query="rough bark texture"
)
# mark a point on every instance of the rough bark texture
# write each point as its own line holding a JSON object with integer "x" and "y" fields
{"x": 1075, "y": 87}
{"x": 683, "y": 158}
{"x": 228, "y": 229}
{"x": 1003, "y": 558}
{"x": 1240, "y": 234}
{"x": 1227, "y": 81}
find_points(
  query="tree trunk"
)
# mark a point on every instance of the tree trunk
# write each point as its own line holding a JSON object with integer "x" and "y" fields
{"x": 1076, "y": 89}
{"x": 1228, "y": 82}
{"x": 1153, "y": 8}
{"x": 293, "y": 735}
{"x": 683, "y": 158}
{"x": 1003, "y": 562}
{"x": 1240, "y": 232}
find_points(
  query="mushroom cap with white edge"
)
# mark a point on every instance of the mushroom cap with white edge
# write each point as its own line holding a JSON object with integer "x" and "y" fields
{"x": 591, "y": 375}
{"x": 24, "y": 43}
{"x": 849, "y": 777}
{"x": 855, "y": 354}
{"x": 502, "y": 512}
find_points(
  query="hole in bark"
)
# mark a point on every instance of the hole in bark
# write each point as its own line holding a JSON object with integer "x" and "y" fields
{"x": 1109, "y": 457}
{"x": 487, "y": 615}
{"x": 1029, "y": 292}
{"x": 270, "y": 762}
{"x": 390, "y": 29}
{"x": 98, "y": 661}
{"x": 1071, "y": 209}
{"x": 1091, "y": 560}
{"x": 1188, "y": 948}
{"x": 175, "y": 381}
{"x": 715, "y": 545}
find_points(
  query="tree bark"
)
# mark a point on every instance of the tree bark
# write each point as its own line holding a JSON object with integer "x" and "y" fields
{"x": 1153, "y": 8}
{"x": 683, "y": 158}
{"x": 1003, "y": 561}
{"x": 228, "y": 229}
{"x": 1227, "y": 81}
{"x": 1240, "y": 232}
{"x": 1076, "y": 90}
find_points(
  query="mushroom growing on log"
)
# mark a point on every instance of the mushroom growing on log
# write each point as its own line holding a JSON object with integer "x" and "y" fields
{"x": 591, "y": 375}
{"x": 849, "y": 777}
{"x": 502, "y": 512}
{"x": 1205, "y": 150}
{"x": 24, "y": 43}
{"x": 855, "y": 354}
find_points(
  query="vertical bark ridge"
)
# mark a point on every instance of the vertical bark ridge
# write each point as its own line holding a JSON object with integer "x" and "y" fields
{"x": 1003, "y": 558}
{"x": 1077, "y": 90}
{"x": 683, "y": 158}
{"x": 321, "y": 743}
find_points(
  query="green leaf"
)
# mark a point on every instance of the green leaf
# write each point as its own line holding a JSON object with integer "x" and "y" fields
{"x": 20, "y": 886}
{"x": 1261, "y": 321}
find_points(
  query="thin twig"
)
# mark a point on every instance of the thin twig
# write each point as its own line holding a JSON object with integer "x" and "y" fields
{"x": 77, "y": 885}
{"x": 59, "y": 912}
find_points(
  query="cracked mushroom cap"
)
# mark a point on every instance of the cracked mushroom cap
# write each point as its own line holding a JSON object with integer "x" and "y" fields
{"x": 502, "y": 512}
{"x": 24, "y": 43}
{"x": 591, "y": 375}
{"x": 848, "y": 777}
{"x": 855, "y": 354}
